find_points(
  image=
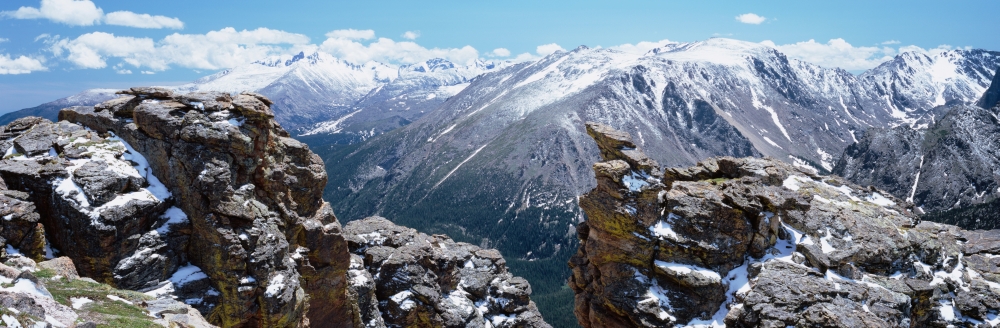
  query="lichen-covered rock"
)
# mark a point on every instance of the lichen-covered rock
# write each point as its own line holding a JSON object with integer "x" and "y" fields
{"x": 94, "y": 200}
{"x": 416, "y": 280}
{"x": 257, "y": 227}
{"x": 757, "y": 242}
{"x": 52, "y": 294}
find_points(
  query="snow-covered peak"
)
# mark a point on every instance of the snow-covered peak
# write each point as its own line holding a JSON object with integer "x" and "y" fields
{"x": 934, "y": 78}
{"x": 715, "y": 50}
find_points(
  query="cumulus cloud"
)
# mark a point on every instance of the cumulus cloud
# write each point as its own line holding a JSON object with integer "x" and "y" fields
{"x": 86, "y": 13}
{"x": 840, "y": 53}
{"x": 346, "y": 46}
{"x": 2, "y": 40}
{"x": 128, "y": 18}
{"x": 69, "y": 12}
{"x": 19, "y": 65}
{"x": 351, "y": 34}
{"x": 411, "y": 35}
{"x": 500, "y": 52}
{"x": 751, "y": 18}
{"x": 547, "y": 49}
{"x": 890, "y": 42}
{"x": 214, "y": 50}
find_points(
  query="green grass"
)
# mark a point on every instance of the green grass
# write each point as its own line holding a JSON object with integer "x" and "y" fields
{"x": 103, "y": 311}
{"x": 45, "y": 273}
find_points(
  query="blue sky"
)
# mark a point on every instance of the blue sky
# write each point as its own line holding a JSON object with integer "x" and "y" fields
{"x": 54, "y": 48}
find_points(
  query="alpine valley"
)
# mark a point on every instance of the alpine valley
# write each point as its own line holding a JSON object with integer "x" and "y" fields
{"x": 496, "y": 155}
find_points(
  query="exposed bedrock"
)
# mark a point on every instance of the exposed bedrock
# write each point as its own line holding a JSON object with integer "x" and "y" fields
{"x": 746, "y": 242}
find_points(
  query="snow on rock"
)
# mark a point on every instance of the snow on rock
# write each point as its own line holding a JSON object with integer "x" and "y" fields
{"x": 186, "y": 274}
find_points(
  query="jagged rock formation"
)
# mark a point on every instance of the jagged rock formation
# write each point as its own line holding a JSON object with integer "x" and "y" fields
{"x": 757, "y": 242}
{"x": 200, "y": 197}
{"x": 259, "y": 231}
{"x": 454, "y": 285}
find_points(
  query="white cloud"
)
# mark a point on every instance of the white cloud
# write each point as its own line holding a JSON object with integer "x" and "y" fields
{"x": 500, "y": 52}
{"x": 547, "y": 49}
{"x": 214, "y": 50}
{"x": 351, "y": 34}
{"x": 19, "y": 65}
{"x": 347, "y": 47}
{"x": 130, "y": 19}
{"x": 148, "y": 72}
{"x": 840, "y": 53}
{"x": 751, "y": 18}
{"x": 890, "y": 42}
{"x": 86, "y": 13}
{"x": 69, "y": 12}
{"x": 641, "y": 47}
{"x": 2, "y": 40}
{"x": 411, "y": 35}
{"x": 524, "y": 57}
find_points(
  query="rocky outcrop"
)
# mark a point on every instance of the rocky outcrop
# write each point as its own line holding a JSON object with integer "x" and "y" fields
{"x": 258, "y": 229}
{"x": 202, "y": 197}
{"x": 757, "y": 242}
{"x": 403, "y": 278}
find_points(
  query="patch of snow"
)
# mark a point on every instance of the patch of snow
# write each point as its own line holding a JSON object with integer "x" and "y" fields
{"x": 824, "y": 243}
{"x": 11, "y": 321}
{"x": 772, "y": 143}
{"x": 79, "y": 302}
{"x": 11, "y": 251}
{"x": 947, "y": 310}
{"x": 116, "y": 298}
{"x": 687, "y": 269}
{"x": 794, "y": 182}
{"x": 916, "y": 180}
{"x": 174, "y": 215}
{"x": 879, "y": 200}
{"x": 663, "y": 229}
{"x": 275, "y": 286}
{"x": 187, "y": 274}
{"x": 634, "y": 181}
{"x": 403, "y": 299}
{"x": 458, "y": 166}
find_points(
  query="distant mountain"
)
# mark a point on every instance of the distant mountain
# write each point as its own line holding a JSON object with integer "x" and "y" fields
{"x": 415, "y": 91}
{"x": 50, "y": 110}
{"x": 316, "y": 88}
{"x": 952, "y": 167}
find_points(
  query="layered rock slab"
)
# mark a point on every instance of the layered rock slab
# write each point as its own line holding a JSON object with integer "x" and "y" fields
{"x": 403, "y": 278}
{"x": 756, "y": 242}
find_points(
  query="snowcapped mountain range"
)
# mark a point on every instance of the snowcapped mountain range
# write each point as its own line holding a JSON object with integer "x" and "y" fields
{"x": 314, "y": 88}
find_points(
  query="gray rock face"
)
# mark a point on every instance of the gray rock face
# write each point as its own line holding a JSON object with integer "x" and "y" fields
{"x": 418, "y": 280}
{"x": 991, "y": 98}
{"x": 953, "y": 163}
{"x": 759, "y": 243}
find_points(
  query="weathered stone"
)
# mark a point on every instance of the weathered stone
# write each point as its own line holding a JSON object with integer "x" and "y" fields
{"x": 433, "y": 281}
{"x": 63, "y": 266}
{"x": 756, "y": 242}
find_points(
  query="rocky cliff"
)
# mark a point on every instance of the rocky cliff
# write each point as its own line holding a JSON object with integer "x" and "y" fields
{"x": 756, "y": 242}
{"x": 201, "y": 197}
